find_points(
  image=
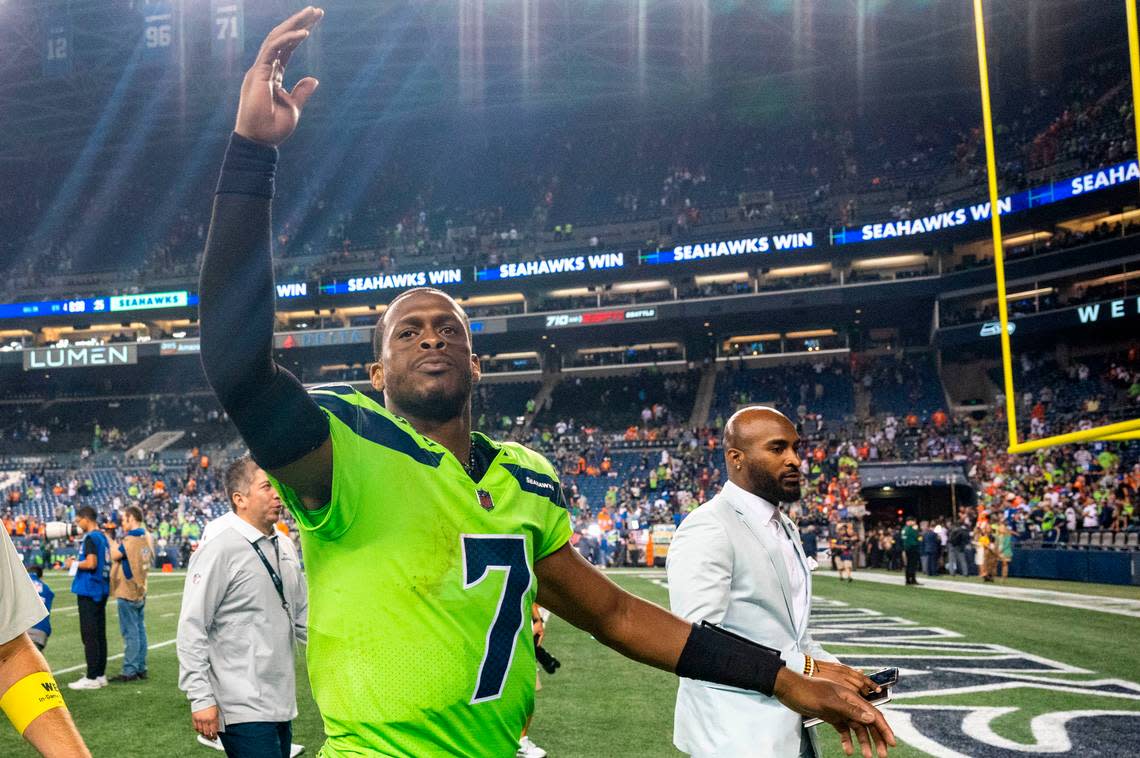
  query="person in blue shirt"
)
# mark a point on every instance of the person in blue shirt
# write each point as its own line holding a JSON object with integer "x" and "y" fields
{"x": 40, "y": 632}
{"x": 92, "y": 585}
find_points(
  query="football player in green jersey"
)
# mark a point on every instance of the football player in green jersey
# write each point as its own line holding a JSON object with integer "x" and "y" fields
{"x": 426, "y": 543}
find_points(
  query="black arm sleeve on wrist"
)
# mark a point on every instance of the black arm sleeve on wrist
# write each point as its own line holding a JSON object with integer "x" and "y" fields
{"x": 275, "y": 415}
{"x": 714, "y": 655}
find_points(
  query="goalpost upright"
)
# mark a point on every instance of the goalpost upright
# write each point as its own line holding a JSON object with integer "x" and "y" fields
{"x": 1123, "y": 430}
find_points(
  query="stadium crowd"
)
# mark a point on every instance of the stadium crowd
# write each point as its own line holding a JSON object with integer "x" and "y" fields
{"x": 631, "y": 466}
{"x": 672, "y": 179}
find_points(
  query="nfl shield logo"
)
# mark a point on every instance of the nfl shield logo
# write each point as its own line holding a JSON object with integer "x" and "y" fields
{"x": 485, "y": 499}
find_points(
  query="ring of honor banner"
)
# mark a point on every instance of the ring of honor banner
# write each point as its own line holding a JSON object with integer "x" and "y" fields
{"x": 158, "y": 32}
{"x": 57, "y": 47}
{"x": 227, "y": 26}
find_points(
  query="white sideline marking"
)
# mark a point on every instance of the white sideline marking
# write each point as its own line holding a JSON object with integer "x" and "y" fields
{"x": 74, "y": 609}
{"x": 1116, "y": 605}
{"x": 69, "y": 669}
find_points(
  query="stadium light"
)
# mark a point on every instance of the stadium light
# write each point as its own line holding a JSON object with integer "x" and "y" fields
{"x": 1023, "y": 239}
{"x": 815, "y": 268}
{"x": 889, "y": 261}
{"x": 810, "y": 333}
{"x": 1031, "y": 293}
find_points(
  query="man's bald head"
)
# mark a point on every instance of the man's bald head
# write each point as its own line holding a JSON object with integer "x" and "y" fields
{"x": 760, "y": 451}
{"x": 750, "y": 421}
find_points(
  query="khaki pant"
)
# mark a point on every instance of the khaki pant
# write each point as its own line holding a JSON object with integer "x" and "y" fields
{"x": 989, "y": 563}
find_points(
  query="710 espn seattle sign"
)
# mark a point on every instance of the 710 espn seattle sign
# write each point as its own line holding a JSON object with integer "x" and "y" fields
{"x": 80, "y": 357}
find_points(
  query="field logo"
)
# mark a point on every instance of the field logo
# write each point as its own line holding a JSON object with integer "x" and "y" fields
{"x": 938, "y": 665}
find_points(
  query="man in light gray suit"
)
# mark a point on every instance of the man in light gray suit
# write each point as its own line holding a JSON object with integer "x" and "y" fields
{"x": 737, "y": 562}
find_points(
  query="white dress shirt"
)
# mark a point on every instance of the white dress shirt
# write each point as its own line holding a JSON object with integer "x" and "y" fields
{"x": 771, "y": 517}
{"x": 223, "y": 522}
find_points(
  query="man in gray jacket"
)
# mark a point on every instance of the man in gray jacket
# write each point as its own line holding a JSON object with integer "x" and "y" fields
{"x": 243, "y": 608}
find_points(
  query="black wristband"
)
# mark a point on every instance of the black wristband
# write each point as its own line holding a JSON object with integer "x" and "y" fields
{"x": 714, "y": 655}
{"x": 248, "y": 168}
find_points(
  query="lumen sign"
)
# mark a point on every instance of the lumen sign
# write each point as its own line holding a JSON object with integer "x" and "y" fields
{"x": 80, "y": 357}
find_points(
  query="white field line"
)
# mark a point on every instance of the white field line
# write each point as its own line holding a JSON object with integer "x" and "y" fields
{"x": 69, "y": 669}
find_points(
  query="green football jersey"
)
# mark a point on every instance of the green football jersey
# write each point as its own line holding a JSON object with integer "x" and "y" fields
{"x": 420, "y": 587}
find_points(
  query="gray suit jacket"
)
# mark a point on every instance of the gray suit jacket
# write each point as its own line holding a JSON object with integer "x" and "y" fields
{"x": 726, "y": 567}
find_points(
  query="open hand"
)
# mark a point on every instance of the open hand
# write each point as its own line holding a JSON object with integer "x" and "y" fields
{"x": 839, "y": 705}
{"x": 267, "y": 112}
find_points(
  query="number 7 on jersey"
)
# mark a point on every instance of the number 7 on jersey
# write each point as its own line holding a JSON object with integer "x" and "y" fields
{"x": 482, "y": 554}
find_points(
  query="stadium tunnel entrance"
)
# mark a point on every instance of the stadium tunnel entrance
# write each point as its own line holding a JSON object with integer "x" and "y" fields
{"x": 927, "y": 491}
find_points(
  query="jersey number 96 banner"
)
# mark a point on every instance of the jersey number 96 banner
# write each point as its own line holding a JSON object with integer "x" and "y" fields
{"x": 159, "y": 32}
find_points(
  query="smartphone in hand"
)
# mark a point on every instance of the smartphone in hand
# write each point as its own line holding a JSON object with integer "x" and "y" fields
{"x": 886, "y": 678}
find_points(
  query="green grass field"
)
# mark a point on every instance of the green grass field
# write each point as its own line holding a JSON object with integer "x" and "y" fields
{"x": 600, "y": 704}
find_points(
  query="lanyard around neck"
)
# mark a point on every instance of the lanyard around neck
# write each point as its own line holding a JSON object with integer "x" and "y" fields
{"x": 277, "y": 583}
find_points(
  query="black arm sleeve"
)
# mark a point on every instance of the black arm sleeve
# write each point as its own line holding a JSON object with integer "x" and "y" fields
{"x": 274, "y": 414}
{"x": 715, "y": 655}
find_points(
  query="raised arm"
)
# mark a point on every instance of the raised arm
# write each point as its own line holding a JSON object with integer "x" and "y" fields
{"x": 286, "y": 432}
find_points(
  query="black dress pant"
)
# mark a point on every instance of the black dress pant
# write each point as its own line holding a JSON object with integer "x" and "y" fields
{"x": 258, "y": 739}
{"x": 93, "y": 630}
{"x": 912, "y": 560}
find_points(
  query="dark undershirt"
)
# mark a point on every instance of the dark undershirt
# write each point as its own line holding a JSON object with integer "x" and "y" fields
{"x": 278, "y": 420}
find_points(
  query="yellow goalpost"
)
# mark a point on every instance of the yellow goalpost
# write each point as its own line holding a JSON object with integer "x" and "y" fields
{"x": 1123, "y": 430}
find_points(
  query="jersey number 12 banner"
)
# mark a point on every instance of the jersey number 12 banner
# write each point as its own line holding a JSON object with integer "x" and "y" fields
{"x": 57, "y": 44}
